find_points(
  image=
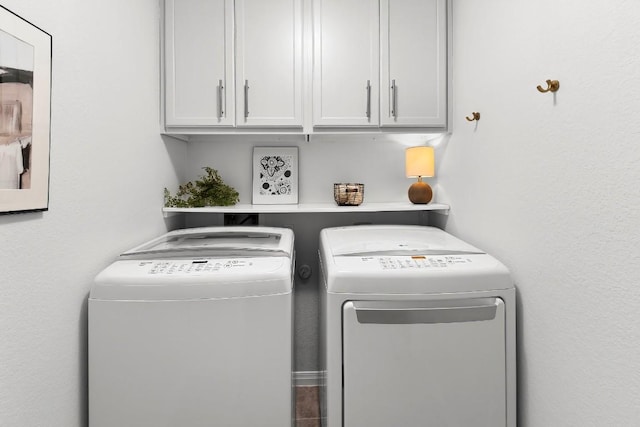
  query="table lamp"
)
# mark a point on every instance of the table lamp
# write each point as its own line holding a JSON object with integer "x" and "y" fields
{"x": 420, "y": 162}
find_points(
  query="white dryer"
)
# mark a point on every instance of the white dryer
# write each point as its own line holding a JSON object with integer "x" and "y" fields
{"x": 418, "y": 329}
{"x": 194, "y": 329}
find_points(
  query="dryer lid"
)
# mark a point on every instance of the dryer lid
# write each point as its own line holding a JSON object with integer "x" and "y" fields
{"x": 405, "y": 260}
{"x": 393, "y": 240}
{"x": 217, "y": 241}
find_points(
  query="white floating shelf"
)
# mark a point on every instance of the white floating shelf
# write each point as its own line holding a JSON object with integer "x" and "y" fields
{"x": 314, "y": 208}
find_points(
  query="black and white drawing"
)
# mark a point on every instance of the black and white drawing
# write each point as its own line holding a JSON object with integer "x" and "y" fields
{"x": 275, "y": 175}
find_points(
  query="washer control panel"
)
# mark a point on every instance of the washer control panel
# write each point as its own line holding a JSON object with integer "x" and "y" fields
{"x": 203, "y": 266}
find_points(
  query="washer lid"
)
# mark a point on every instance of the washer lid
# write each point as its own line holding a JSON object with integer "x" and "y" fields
{"x": 193, "y": 278}
{"x": 217, "y": 241}
{"x": 202, "y": 263}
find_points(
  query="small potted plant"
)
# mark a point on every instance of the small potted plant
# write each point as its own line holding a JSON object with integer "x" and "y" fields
{"x": 210, "y": 190}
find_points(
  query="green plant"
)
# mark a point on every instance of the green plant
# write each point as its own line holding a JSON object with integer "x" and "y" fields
{"x": 210, "y": 190}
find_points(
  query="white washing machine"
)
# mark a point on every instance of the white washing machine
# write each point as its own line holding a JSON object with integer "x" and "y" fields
{"x": 418, "y": 329}
{"x": 194, "y": 329}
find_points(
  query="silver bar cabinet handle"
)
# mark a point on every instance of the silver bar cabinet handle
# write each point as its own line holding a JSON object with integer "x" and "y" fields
{"x": 221, "y": 113}
{"x": 368, "y": 99}
{"x": 246, "y": 99}
{"x": 394, "y": 99}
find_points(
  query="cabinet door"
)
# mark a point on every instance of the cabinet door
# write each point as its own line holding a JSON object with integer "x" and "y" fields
{"x": 346, "y": 55}
{"x": 269, "y": 63}
{"x": 199, "y": 84}
{"x": 413, "y": 50}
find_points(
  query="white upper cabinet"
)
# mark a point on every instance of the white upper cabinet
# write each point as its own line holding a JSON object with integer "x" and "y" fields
{"x": 346, "y": 63}
{"x": 269, "y": 63}
{"x": 413, "y": 74}
{"x": 233, "y": 64}
{"x": 199, "y": 78}
{"x": 380, "y": 63}
{"x": 304, "y": 66}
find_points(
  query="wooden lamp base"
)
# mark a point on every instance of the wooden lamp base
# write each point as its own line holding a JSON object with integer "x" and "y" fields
{"x": 420, "y": 193}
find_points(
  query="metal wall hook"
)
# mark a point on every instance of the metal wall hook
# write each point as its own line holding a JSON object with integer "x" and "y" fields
{"x": 475, "y": 116}
{"x": 552, "y": 86}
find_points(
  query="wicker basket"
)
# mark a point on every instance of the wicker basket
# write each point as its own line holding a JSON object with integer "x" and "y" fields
{"x": 348, "y": 194}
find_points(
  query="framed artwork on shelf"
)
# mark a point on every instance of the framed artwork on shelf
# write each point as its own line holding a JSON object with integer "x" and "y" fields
{"x": 275, "y": 175}
{"x": 25, "y": 114}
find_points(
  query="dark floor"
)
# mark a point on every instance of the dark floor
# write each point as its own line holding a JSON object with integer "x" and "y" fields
{"x": 307, "y": 406}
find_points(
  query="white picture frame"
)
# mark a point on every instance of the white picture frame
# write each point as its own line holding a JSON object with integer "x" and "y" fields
{"x": 25, "y": 108}
{"x": 275, "y": 175}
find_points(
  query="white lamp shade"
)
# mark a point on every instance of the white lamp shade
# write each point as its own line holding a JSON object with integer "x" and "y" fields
{"x": 420, "y": 161}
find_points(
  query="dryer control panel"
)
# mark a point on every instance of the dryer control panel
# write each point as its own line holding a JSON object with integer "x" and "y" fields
{"x": 408, "y": 262}
{"x": 395, "y": 263}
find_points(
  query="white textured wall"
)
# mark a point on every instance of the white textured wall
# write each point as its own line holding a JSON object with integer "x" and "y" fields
{"x": 550, "y": 186}
{"x": 108, "y": 168}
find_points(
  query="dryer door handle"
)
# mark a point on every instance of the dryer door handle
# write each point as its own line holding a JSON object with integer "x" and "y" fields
{"x": 400, "y": 312}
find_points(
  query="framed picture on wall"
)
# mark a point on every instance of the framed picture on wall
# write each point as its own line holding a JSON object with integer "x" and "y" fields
{"x": 25, "y": 112}
{"x": 275, "y": 175}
